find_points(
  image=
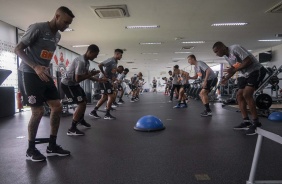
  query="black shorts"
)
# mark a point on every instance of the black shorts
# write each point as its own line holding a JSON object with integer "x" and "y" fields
{"x": 185, "y": 86}
{"x": 75, "y": 94}
{"x": 120, "y": 87}
{"x": 35, "y": 91}
{"x": 210, "y": 84}
{"x": 106, "y": 88}
{"x": 253, "y": 80}
{"x": 154, "y": 85}
{"x": 132, "y": 87}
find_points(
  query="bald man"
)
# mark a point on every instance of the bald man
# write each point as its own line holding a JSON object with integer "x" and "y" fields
{"x": 36, "y": 50}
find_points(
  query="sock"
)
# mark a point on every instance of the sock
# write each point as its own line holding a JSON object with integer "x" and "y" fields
{"x": 74, "y": 124}
{"x": 52, "y": 141}
{"x": 96, "y": 108}
{"x": 31, "y": 144}
{"x": 208, "y": 107}
{"x": 108, "y": 112}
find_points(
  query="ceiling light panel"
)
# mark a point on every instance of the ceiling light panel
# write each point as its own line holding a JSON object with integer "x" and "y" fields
{"x": 182, "y": 52}
{"x": 230, "y": 24}
{"x": 274, "y": 40}
{"x": 142, "y": 27}
{"x": 80, "y": 45}
{"x": 193, "y": 42}
{"x": 150, "y": 43}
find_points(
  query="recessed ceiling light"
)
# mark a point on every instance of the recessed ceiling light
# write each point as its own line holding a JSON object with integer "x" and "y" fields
{"x": 230, "y": 24}
{"x": 142, "y": 27}
{"x": 68, "y": 30}
{"x": 194, "y": 42}
{"x": 182, "y": 52}
{"x": 80, "y": 45}
{"x": 250, "y": 50}
{"x": 275, "y": 40}
{"x": 151, "y": 43}
{"x": 149, "y": 53}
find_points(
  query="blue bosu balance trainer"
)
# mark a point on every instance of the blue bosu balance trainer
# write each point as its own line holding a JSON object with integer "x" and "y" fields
{"x": 149, "y": 123}
{"x": 275, "y": 116}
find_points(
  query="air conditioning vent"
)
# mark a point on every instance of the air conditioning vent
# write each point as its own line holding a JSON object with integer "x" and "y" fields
{"x": 275, "y": 9}
{"x": 111, "y": 12}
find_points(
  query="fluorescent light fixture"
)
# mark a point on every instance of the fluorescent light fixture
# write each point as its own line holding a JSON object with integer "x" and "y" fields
{"x": 149, "y": 53}
{"x": 151, "y": 43}
{"x": 274, "y": 40}
{"x": 68, "y": 30}
{"x": 194, "y": 42}
{"x": 80, "y": 45}
{"x": 134, "y": 68}
{"x": 142, "y": 27}
{"x": 230, "y": 24}
{"x": 182, "y": 52}
{"x": 129, "y": 62}
{"x": 250, "y": 50}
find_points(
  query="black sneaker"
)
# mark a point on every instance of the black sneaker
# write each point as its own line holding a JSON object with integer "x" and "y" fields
{"x": 35, "y": 155}
{"x": 132, "y": 100}
{"x": 94, "y": 114}
{"x": 252, "y": 129}
{"x": 206, "y": 113}
{"x": 57, "y": 151}
{"x": 109, "y": 116}
{"x": 243, "y": 126}
{"x": 74, "y": 131}
{"x": 85, "y": 124}
{"x": 121, "y": 101}
{"x": 115, "y": 104}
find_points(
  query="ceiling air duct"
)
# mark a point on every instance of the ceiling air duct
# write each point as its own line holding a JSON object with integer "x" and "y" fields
{"x": 111, "y": 12}
{"x": 275, "y": 9}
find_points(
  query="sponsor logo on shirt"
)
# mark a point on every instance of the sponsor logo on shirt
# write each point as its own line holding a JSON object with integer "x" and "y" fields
{"x": 45, "y": 54}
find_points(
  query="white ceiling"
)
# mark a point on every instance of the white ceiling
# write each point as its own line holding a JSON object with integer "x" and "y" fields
{"x": 188, "y": 19}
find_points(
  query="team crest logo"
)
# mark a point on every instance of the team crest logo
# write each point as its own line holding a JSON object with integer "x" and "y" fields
{"x": 32, "y": 99}
{"x": 79, "y": 98}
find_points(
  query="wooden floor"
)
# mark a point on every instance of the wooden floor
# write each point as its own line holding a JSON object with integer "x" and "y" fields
{"x": 191, "y": 150}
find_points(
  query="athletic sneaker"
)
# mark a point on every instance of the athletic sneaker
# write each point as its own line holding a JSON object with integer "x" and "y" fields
{"x": 252, "y": 129}
{"x": 85, "y": 124}
{"x": 57, "y": 151}
{"x": 170, "y": 101}
{"x": 243, "y": 126}
{"x": 35, "y": 155}
{"x": 94, "y": 114}
{"x": 109, "y": 116}
{"x": 206, "y": 113}
{"x": 132, "y": 100}
{"x": 183, "y": 106}
{"x": 116, "y": 104}
{"x": 120, "y": 100}
{"x": 74, "y": 131}
{"x": 177, "y": 106}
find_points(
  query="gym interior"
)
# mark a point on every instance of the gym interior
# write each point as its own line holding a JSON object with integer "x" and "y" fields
{"x": 187, "y": 148}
